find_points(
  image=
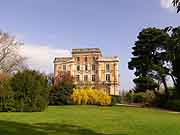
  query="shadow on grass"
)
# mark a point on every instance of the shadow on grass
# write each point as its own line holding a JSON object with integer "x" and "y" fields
{"x": 14, "y": 128}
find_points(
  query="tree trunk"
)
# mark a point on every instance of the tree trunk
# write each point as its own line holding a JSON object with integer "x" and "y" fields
{"x": 165, "y": 86}
{"x": 178, "y": 86}
{"x": 174, "y": 81}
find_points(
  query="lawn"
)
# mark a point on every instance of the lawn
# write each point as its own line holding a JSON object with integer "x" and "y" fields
{"x": 91, "y": 120}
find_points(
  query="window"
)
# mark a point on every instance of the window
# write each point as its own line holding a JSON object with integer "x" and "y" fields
{"x": 86, "y": 59}
{"x": 64, "y": 67}
{"x": 85, "y": 77}
{"x": 107, "y": 68}
{"x": 78, "y": 59}
{"x": 86, "y": 67}
{"x": 78, "y": 67}
{"x": 93, "y": 78}
{"x": 77, "y": 77}
{"x": 94, "y": 59}
{"x": 108, "y": 77}
{"x": 93, "y": 67}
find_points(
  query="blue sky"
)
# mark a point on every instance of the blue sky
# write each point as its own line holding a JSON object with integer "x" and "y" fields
{"x": 52, "y": 28}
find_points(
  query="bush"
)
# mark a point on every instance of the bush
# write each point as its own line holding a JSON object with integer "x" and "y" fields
{"x": 129, "y": 97}
{"x": 90, "y": 96}
{"x": 160, "y": 100}
{"x": 173, "y": 105}
{"x": 139, "y": 97}
{"x": 149, "y": 98}
{"x": 6, "y": 98}
{"x": 30, "y": 91}
{"x": 116, "y": 100}
{"x": 60, "y": 93}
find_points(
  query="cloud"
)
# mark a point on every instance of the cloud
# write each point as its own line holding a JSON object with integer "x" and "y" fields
{"x": 40, "y": 57}
{"x": 167, "y": 4}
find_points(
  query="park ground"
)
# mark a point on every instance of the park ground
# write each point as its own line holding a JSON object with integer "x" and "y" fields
{"x": 91, "y": 120}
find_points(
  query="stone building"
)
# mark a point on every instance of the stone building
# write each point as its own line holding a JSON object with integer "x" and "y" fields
{"x": 91, "y": 69}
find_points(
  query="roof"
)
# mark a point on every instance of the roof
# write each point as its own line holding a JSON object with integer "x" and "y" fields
{"x": 62, "y": 59}
{"x": 109, "y": 59}
{"x": 85, "y": 50}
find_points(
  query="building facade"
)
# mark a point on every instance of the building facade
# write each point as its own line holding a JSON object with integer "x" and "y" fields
{"x": 91, "y": 69}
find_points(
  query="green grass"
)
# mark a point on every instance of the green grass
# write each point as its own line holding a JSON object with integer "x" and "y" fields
{"x": 91, "y": 120}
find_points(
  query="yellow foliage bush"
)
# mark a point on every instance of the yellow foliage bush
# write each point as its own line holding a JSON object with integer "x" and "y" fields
{"x": 90, "y": 96}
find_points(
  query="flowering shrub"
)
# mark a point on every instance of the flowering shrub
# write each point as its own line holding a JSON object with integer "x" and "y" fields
{"x": 91, "y": 97}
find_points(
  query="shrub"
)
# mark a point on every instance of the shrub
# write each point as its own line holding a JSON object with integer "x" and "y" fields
{"x": 62, "y": 89}
{"x": 160, "y": 100}
{"x": 149, "y": 98}
{"x": 139, "y": 97}
{"x": 115, "y": 100}
{"x": 173, "y": 105}
{"x": 30, "y": 91}
{"x": 129, "y": 97}
{"x": 90, "y": 96}
{"x": 6, "y": 98}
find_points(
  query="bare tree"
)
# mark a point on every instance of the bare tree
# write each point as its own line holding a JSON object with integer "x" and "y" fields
{"x": 10, "y": 58}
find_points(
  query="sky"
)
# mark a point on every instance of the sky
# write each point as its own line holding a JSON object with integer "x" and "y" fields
{"x": 51, "y": 28}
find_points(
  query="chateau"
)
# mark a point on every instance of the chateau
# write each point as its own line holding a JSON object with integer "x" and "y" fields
{"x": 91, "y": 69}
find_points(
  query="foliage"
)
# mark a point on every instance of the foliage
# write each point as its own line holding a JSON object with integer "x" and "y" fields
{"x": 6, "y": 99}
{"x": 176, "y": 3}
{"x": 172, "y": 105}
{"x": 149, "y": 59}
{"x": 129, "y": 96}
{"x": 144, "y": 83}
{"x": 115, "y": 100}
{"x": 30, "y": 89}
{"x": 147, "y": 98}
{"x": 156, "y": 55}
{"x": 90, "y": 96}
{"x": 62, "y": 89}
{"x": 174, "y": 56}
{"x": 138, "y": 97}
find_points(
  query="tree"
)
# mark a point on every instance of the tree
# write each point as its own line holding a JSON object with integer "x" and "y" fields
{"x": 176, "y": 3}
{"x": 144, "y": 83}
{"x": 10, "y": 58}
{"x": 63, "y": 88}
{"x": 30, "y": 91}
{"x": 6, "y": 96}
{"x": 174, "y": 55}
{"x": 149, "y": 59}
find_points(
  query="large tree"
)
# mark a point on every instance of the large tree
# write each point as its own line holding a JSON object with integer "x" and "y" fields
{"x": 10, "y": 58}
{"x": 176, "y": 3}
{"x": 149, "y": 59}
{"x": 173, "y": 51}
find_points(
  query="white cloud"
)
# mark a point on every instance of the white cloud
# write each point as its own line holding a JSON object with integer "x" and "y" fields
{"x": 167, "y": 4}
{"x": 41, "y": 57}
